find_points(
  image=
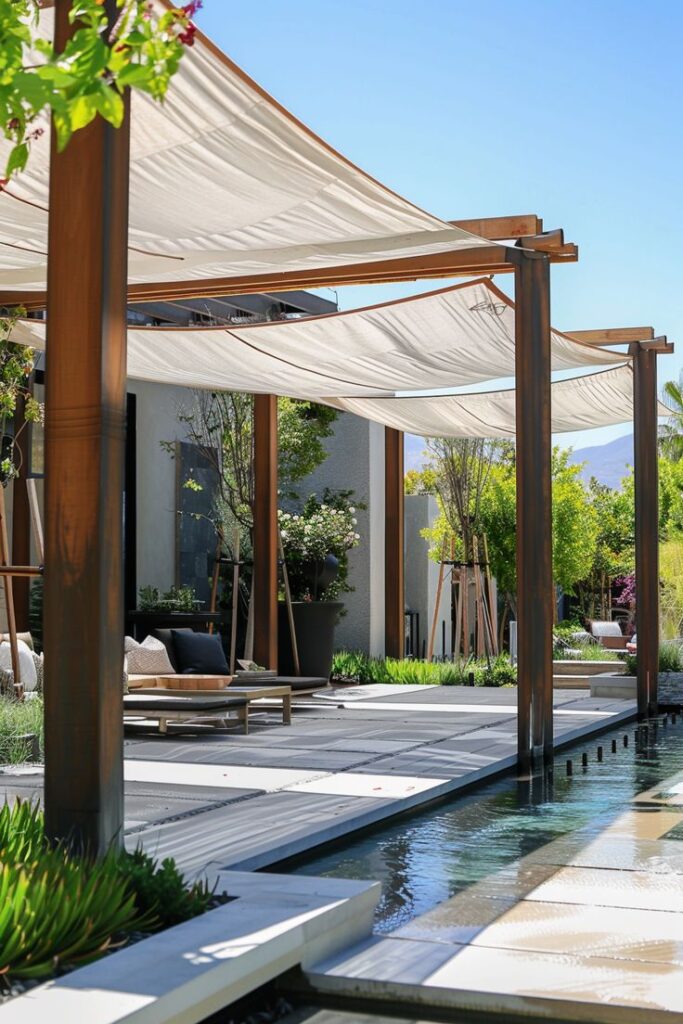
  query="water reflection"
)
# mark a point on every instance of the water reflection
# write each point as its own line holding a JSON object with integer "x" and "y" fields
{"x": 427, "y": 858}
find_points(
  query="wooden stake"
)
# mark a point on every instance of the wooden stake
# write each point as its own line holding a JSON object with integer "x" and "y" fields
{"x": 437, "y": 603}
{"x": 36, "y": 520}
{"x": 493, "y": 604}
{"x": 458, "y": 618}
{"x": 8, "y": 584}
{"x": 215, "y": 576}
{"x": 478, "y": 597}
{"x": 290, "y": 609}
{"x": 235, "y": 598}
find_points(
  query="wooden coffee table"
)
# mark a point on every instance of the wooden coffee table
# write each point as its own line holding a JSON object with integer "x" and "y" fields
{"x": 282, "y": 693}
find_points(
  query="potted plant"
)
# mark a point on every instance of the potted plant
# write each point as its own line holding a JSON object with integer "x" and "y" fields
{"x": 316, "y": 542}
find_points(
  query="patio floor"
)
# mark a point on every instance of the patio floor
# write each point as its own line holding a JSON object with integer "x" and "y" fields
{"x": 216, "y": 800}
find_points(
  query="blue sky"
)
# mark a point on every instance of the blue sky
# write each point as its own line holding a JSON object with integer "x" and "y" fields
{"x": 568, "y": 110}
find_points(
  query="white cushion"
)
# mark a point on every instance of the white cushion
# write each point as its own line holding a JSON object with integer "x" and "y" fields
{"x": 149, "y": 658}
{"x": 27, "y": 668}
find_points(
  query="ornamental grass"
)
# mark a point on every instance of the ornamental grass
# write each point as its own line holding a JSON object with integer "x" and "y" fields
{"x": 59, "y": 909}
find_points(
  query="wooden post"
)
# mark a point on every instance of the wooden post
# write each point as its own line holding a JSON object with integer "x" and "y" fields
{"x": 265, "y": 531}
{"x": 21, "y": 517}
{"x": 85, "y": 423}
{"x": 394, "y": 588}
{"x": 534, "y": 510}
{"x": 646, "y": 480}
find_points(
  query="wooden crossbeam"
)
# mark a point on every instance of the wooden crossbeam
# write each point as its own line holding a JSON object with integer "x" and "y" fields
{"x": 21, "y": 571}
{"x": 661, "y": 345}
{"x": 501, "y": 229}
{"x": 493, "y": 259}
{"x": 612, "y": 335}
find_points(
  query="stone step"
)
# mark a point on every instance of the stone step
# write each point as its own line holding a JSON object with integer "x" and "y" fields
{"x": 618, "y": 686}
{"x": 572, "y": 682}
{"x": 586, "y": 668}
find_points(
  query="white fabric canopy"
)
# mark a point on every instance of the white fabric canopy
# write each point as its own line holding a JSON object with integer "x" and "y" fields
{"x": 450, "y": 338}
{"x": 595, "y": 400}
{"x": 225, "y": 182}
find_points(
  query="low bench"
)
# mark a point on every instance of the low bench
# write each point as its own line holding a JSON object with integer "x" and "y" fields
{"x": 165, "y": 708}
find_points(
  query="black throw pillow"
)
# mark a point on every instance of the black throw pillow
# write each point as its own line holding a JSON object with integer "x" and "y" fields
{"x": 199, "y": 654}
{"x": 167, "y": 640}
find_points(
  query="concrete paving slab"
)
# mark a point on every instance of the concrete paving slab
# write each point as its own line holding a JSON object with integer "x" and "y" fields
{"x": 607, "y": 887}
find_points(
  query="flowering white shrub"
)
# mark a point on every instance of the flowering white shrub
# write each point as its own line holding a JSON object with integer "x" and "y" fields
{"x": 308, "y": 537}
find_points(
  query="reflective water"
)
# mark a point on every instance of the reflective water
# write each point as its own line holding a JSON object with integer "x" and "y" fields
{"x": 425, "y": 858}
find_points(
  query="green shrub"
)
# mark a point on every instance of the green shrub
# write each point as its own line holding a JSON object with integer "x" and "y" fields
{"x": 55, "y": 908}
{"x": 59, "y": 909}
{"x": 18, "y": 721}
{"x": 161, "y": 893}
{"x": 356, "y": 666}
{"x": 584, "y": 652}
{"x": 670, "y": 658}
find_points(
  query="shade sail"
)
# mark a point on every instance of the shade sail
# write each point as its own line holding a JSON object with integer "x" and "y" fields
{"x": 224, "y": 182}
{"x": 449, "y": 338}
{"x": 595, "y": 400}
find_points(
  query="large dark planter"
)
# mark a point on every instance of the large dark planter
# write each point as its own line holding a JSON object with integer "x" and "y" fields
{"x": 314, "y": 624}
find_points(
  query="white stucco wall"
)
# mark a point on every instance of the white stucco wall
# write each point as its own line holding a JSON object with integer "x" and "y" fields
{"x": 157, "y": 411}
{"x": 356, "y": 462}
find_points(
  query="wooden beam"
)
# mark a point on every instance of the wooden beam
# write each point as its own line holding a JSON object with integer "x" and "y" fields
{"x": 394, "y": 585}
{"x": 265, "y": 531}
{"x": 21, "y": 516}
{"x": 535, "y": 592}
{"x": 84, "y": 438}
{"x": 662, "y": 346}
{"x": 546, "y": 241}
{"x": 501, "y": 229}
{"x": 493, "y": 259}
{"x": 612, "y": 335}
{"x": 646, "y": 487}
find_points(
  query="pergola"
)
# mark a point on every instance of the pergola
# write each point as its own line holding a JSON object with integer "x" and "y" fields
{"x": 221, "y": 191}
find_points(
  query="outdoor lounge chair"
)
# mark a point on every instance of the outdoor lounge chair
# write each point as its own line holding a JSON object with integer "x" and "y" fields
{"x": 609, "y": 635}
{"x": 200, "y": 708}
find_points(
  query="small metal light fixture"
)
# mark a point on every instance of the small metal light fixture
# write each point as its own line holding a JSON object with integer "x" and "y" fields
{"x": 488, "y": 306}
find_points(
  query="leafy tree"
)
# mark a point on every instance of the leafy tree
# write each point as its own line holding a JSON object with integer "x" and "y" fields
{"x": 141, "y": 50}
{"x": 575, "y": 525}
{"x": 461, "y": 468}
{"x": 220, "y": 424}
{"x": 671, "y": 433}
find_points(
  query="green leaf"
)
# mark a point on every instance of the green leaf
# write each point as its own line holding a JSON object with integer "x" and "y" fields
{"x": 82, "y": 110}
{"x": 109, "y": 104}
{"x": 134, "y": 75}
{"x": 17, "y": 159}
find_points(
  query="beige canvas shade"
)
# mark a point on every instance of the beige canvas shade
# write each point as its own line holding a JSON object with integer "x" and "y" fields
{"x": 448, "y": 338}
{"x": 580, "y": 403}
{"x": 224, "y": 182}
